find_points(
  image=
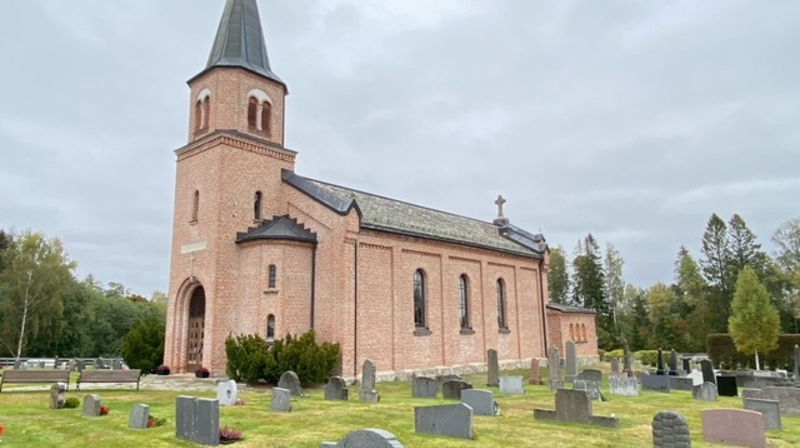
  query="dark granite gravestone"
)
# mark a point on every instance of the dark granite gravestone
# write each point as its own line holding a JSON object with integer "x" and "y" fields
{"x": 139, "y": 416}
{"x": 206, "y": 424}
{"x": 572, "y": 362}
{"x": 554, "y": 366}
{"x": 670, "y": 430}
{"x": 185, "y": 409}
{"x": 493, "y": 369}
{"x": 369, "y": 392}
{"x": 687, "y": 365}
{"x": 366, "y": 438}
{"x": 796, "y": 362}
{"x": 91, "y": 405}
{"x": 789, "y": 398}
{"x": 281, "y": 400}
{"x": 708, "y": 371}
{"x": 536, "y": 374}
{"x": 705, "y": 392}
{"x": 673, "y": 363}
{"x": 681, "y": 382}
{"x": 336, "y": 389}
{"x": 726, "y": 386}
{"x": 454, "y": 420}
{"x": 658, "y": 383}
{"x": 660, "y": 370}
{"x": 289, "y": 380}
{"x": 734, "y": 427}
{"x": 481, "y": 401}
{"x": 770, "y": 409}
{"x": 574, "y": 406}
{"x": 57, "y": 392}
{"x": 451, "y": 390}
{"x": 424, "y": 387}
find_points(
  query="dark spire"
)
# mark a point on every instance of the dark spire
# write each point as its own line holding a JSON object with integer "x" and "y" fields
{"x": 240, "y": 40}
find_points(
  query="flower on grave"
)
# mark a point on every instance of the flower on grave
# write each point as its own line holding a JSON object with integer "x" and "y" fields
{"x": 229, "y": 434}
{"x": 239, "y": 402}
{"x": 104, "y": 410}
{"x": 153, "y": 422}
{"x": 2, "y": 430}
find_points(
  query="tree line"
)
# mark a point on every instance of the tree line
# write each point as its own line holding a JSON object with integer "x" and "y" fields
{"x": 699, "y": 300}
{"x": 46, "y": 311}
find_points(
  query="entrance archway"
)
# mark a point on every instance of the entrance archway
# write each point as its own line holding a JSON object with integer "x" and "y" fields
{"x": 196, "y": 329}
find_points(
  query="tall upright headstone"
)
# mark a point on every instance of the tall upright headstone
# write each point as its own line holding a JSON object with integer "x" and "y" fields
{"x": 536, "y": 375}
{"x": 708, "y": 371}
{"x": 493, "y": 367}
{"x": 687, "y": 366}
{"x": 206, "y": 426}
{"x": 614, "y": 365}
{"x": 57, "y": 392}
{"x": 289, "y": 380}
{"x": 627, "y": 359}
{"x": 673, "y": 362}
{"x": 554, "y": 365}
{"x": 572, "y": 361}
{"x": 796, "y": 362}
{"x": 369, "y": 392}
{"x": 185, "y": 410}
{"x": 660, "y": 363}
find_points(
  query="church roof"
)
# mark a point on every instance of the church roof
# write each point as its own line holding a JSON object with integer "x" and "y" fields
{"x": 391, "y": 215}
{"x": 570, "y": 309}
{"x": 278, "y": 228}
{"x": 240, "y": 41}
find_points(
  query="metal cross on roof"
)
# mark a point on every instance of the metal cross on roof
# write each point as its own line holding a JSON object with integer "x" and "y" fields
{"x": 500, "y": 201}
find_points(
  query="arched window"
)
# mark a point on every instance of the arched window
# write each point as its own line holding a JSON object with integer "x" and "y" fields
{"x": 252, "y": 113}
{"x": 419, "y": 299}
{"x": 583, "y": 333}
{"x": 257, "y": 205}
{"x": 198, "y": 115}
{"x": 272, "y": 274}
{"x": 206, "y": 111}
{"x": 463, "y": 295}
{"x": 501, "y": 305}
{"x": 195, "y": 205}
{"x": 270, "y": 328}
{"x": 572, "y": 332}
{"x": 266, "y": 117}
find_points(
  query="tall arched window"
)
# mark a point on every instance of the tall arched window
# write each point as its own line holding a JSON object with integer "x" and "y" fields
{"x": 501, "y": 305}
{"x": 270, "y": 328}
{"x": 572, "y": 332}
{"x": 206, "y": 111}
{"x": 463, "y": 295}
{"x": 257, "y": 206}
{"x": 272, "y": 274}
{"x": 266, "y": 117}
{"x": 419, "y": 299}
{"x": 198, "y": 115}
{"x": 252, "y": 113}
{"x": 583, "y": 333}
{"x": 195, "y": 205}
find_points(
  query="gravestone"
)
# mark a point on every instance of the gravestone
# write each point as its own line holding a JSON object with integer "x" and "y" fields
{"x": 624, "y": 385}
{"x": 572, "y": 362}
{"x": 336, "y": 389}
{"x": 206, "y": 424}
{"x": 591, "y": 375}
{"x": 57, "y": 392}
{"x": 796, "y": 362}
{"x": 481, "y": 401}
{"x": 789, "y": 398}
{"x": 697, "y": 377}
{"x": 660, "y": 363}
{"x": 493, "y": 368}
{"x": 424, "y": 387}
{"x": 116, "y": 364}
{"x": 91, "y": 405}
{"x": 687, "y": 364}
{"x": 734, "y": 426}
{"x": 536, "y": 374}
{"x": 627, "y": 358}
{"x": 554, "y": 365}
{"x": 281, "y": 400}
{"x": 368, "y": 394}
{"x": 447, "y": 377}
{"x": 673, "y": 363}
{"x": 454, "y": 420}
{"x": 512, "y": 385}
{"x": 705, "y": 392}
{"x": 185, "y": 410}
{"x": 681, "y": 383}
{"x": 227, "y": 393}
{"x": 614, "y": 365}
{"x": 658, "y": 383}
{"x": 451, "y": 390}
{"x": 726, "y": 386}
{"x": 289, "y": 380}
{"x": 670, "y": 430}
{"x": 707, "y": 368}
{"x": 366, "y": 438}
{"x": 592, "y": 388}
{"x": 770, "y": 409}
{"x": 139, "y": 416}
{"x": 574, "y": 406}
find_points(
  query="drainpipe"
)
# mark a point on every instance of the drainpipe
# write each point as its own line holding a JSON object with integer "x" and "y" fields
{"x": 355, "y": 308}
{"x": 544, "y": 309}
{"x": 313, "y": 283}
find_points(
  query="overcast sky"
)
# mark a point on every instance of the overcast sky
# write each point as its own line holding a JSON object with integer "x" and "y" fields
{"x": 632, "y": 120}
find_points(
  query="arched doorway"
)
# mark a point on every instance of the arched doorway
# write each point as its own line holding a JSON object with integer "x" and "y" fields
{"x": 196, "y": 330}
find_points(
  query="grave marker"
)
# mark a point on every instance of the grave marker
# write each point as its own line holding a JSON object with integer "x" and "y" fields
{"x": 453, "y": 420}
{"x": 660, "y": 364}
{"x": 289, "y": 380}
{"x": 705, "y": 392}
{"x": 789, "y": 398}
{"x": 614, "y": 365}
{"x": 227, "y": 393}
{"x": 366, "y": 438}
{"x": 451, "y": 390}
{"x": 493, "y": 368}
{"x": 512, "y": 385}
{"x": 624, "y": 385}
{"x": 206, "y": 424}
{"x": 281, "y": 400}
{"x": 91, "y": 405}
{"x": 769, "y": 409}
{"x": 140, "y": 414}
{"x": 673, "y": 363}
{"x": 572, "y": 362}
{"x": 726, "y": 386}
{"x": 734, "y": 427}
{"x": 536, "y": 373}
{"x": 554, "y": 365}
{"x": 336, "y": 389}
{"x": 658, "y": 383}
{"x": 57, "y": 392}
{"x": 185, "y": 410}
{"x": 481, "y": 401}
{"x": 670, "y": 430}
{"x": 424, "y": 387}
{"x": 592, "y": 388}
{"x": 708, "y": 371}
{"x": 368, "y": 394}
{"x": 574, "y": 406}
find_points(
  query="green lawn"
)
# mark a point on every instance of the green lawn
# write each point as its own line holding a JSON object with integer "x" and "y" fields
{"x": 29, "y": 422}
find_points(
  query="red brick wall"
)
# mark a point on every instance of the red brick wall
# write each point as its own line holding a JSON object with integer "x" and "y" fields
{"x": 559, "y": 325}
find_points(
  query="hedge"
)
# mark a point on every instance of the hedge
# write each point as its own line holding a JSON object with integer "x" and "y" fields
{"x": 722, "y": 351}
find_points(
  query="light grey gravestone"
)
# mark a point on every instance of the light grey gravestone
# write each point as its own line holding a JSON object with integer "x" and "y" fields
{"x": 493, "y": 368}
{"x": 185, "y": 410}
{"x": 707, "y": 368}
{"x": 451, "y": 390}
{"x": 734, "y": 427}
{"x": 512, "y": 385}
{"x": 366, "y": 438}
{"x": 658, "y": 383}
{"x": 227, "y": 393}
{"x": 624, "y": 385}
{"x": 139, "y": 416}
{"x": 554, "y": 365}
{"x": 592, "y": 388}
{"x": 481, "y": 401}
{"x": 673, "y": 362}
{"x": 57, "y": 392}
{"x": 424, "y": 387}
{"x": 336, "y": 389}
{"x": 91, "y": 405}
{"x": 789, "y": 397}
{"x": 591, "y": 375}
{"x": 705, "y": 392}
{"x": 536, "y": 372}
{"x": 572, "y": 362}
{"x": 574, "y": 406}
{"x": 281, "y": 400}
{"x": 670, "y": 430}
{"x": 770, "y": 409}
{"x": 614, "y": 365}
{"x": 796, "y": 362}
{"x": 454, "y": 420}
{"x": 697, "y": 377}
{"x": 369, "y": 394}
{"x": 206, "y": 424}
{"x": 289, "y": 380}
{"x": 627, "y": 358}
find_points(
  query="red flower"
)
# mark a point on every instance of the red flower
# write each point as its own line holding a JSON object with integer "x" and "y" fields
{"x": 104, "y": 410}
{"x": 2, "y": 430}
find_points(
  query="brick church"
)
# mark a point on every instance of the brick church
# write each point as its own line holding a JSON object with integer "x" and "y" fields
{"x": 258, "y": 248}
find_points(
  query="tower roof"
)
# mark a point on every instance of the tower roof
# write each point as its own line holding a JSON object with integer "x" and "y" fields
{"x": 240, "y": 41}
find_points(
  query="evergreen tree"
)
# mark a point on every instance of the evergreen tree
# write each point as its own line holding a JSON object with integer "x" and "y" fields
{"x": 615, "y": 284}
{"x": 694, "y": 290}
{"x": 558, "y": 277}
{"x": 754, "y": 323}
{"x": 717, "y": 266}
{"x": 589, "y": 290}
{"x": 668, "y": 327}
{"x": 636, "y": 322}
{"x": 745, "y": 251}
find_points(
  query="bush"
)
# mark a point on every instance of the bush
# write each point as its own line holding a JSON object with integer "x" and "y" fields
{"x": 202, "y": 372}
{"x": 72, "y": 403}
{"x": 722, "y": 351}
{"x": 647, "y": 357}
{"x": 143, "y": 346}
{"x": 162, "y": 370}
{"x": 247, "y": 357}
{"x": 617, "y": 353}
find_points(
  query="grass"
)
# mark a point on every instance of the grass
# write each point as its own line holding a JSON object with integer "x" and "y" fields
{"x": 29, "y": 422}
